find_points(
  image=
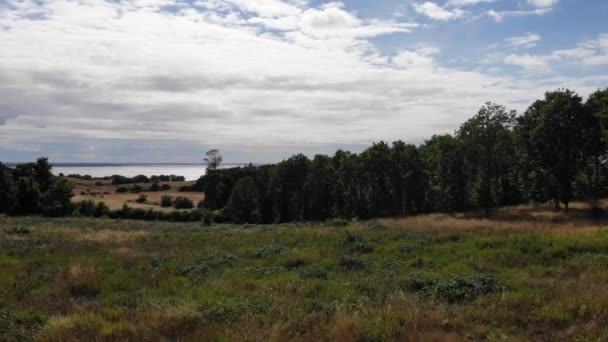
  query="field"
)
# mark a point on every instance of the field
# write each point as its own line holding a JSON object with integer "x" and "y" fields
{"x": 521, "y": 274}
{"x": 103, "y": 191}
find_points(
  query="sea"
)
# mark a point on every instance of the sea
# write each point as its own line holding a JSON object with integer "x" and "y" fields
{"x": 189, "y": 171}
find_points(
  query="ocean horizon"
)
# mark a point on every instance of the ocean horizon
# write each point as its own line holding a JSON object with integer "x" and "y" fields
{"x": 191, "y": 171}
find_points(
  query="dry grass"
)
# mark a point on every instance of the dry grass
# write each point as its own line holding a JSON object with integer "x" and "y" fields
{"x": 85, "y": 190}
{"x": 511, "y": 219}
{"x": 84, "y": 279}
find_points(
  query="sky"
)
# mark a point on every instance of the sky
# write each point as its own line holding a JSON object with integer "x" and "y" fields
{"x": 166, "y": 80}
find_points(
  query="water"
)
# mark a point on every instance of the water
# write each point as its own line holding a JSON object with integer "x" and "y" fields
{"x": 189, "y": 171}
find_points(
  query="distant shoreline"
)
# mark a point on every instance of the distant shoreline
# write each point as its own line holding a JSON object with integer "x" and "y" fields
{"x": 12, "y": 164}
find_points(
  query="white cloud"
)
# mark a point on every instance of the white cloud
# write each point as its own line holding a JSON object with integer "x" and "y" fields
{"x": 225, "y": 73}
{"x": 436, "y": 12}
{"x": 463, "y": 3}
{"x": 543, "y": 3}
{"x": 499, "y": 16}
{"x": 529, "y": 62}
{"x": 419, "y": 58}
{"x": 528, "y": 40}
{"x": 590, "y": 53}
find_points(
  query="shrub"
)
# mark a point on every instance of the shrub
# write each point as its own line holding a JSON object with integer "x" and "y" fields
{"x": 207, "y": 217}
{"x": 165, "y": 187}
{"x": 142, "y": 198}
{"x": 166, "y": 201}
{"x": 135, "y": 189}
{"x": 351, "y": 264}
{"x": 182, "y": 202}
{"x": 155, "y": 187}
{"x": 122, "y": 190}
{"x": 98, "y": 183}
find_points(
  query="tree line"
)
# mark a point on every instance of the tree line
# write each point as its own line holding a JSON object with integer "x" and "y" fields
{"x": 555, "y": 151}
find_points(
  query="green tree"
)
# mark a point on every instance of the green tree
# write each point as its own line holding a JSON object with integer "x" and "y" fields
{"x": 212, "y": 180}
{"x": 27, "y": 196}
{"x": 488, "y": 154}
{"x": 287, "y": 185}
{"x": 443, "y": 157}
{"x": 243, "y": 205}
{"x": 56, "y": 201}
{"x": 556, "y": 131}
{"x": 214, "y": 159}
{"x": 597, "y": 106}
{"x": 319, "y": 189}
{"x": 407, "y": 179}
{"x": 7, "y": 189}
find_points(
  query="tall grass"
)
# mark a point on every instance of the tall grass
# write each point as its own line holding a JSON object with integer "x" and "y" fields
{"x": 520, "y": 274}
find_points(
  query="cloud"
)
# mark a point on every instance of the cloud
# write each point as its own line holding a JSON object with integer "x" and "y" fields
{"x": 529, "y": 62}
{"x": 499, "y": 16}
{"x": 591, "y": 53}
{"x": 463, "y": 3}
{"x": 267, "y": 78}
{"x": 526, "y": 41}
{"x": 542, "y": 3}
{"x": 419, "y": 58}
{"x": 436, "y": 12}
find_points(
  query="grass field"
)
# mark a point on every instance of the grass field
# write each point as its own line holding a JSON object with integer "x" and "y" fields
{"x": 523, "y": 274}
{"x": 103, "y": 191}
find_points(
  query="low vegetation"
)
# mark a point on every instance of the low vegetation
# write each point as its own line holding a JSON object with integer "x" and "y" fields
{"x": 520, "y": 274}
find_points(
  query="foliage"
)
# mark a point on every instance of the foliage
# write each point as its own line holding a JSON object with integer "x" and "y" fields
{"x": 166, "y": 201}
{"x": 182, "y": 202}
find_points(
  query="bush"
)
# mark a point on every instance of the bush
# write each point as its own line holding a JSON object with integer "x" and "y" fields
{"x": 166, "y": 201}
{"x": 155, "y": 187}
{"x": 98, "y": 183}
{"x": 142, "y": 198}
{"x": 90, "y": 208}
{"x": 165, "y": 187}
{"x": 182, "y": 202}
{"x": 122, "y": 190}
{"x": 207, "y": 218}
{"x": 135, "y": 189}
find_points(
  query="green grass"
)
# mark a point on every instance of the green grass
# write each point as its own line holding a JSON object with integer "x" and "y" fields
{"x": 99, "y": 279}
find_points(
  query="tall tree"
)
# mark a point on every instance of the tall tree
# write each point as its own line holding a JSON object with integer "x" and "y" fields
{"x": 488, "y": 147}
{"x": 407, "y": 179}
{"x": 443, "y": 157}
{"x": 597, "y": 106}
{"x": 212, "y": 179}
{"x": 556, "y": 129}
{"x": 7, "y": 189}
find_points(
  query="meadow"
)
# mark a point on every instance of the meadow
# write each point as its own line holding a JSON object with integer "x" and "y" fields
{"x": 522, "y": 273}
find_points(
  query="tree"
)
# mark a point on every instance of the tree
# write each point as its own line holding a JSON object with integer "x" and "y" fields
{"x": 443, "y": 158}
{"x": 57, "y": 200}
{"x": 556, "y": 132}
{"x": 212, "y": 179}
{"x": 7, "y": 189}
{"x": 287, "y": 186}
{"x": 597, "y": 106}
{"x": 213, "y": 159}
{"x": 488, "y": 153}
{"x": 319, "y": 189}
{"x": 376, "y": 167}
{"x": 407, "y": 179}
{"x": 27, "y": 196}
{"x": 243, "y": 205}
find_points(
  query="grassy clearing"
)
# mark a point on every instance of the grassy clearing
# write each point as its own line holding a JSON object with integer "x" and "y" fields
{"x": 103, "y": 191}
{"x": 524, "y": 274}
